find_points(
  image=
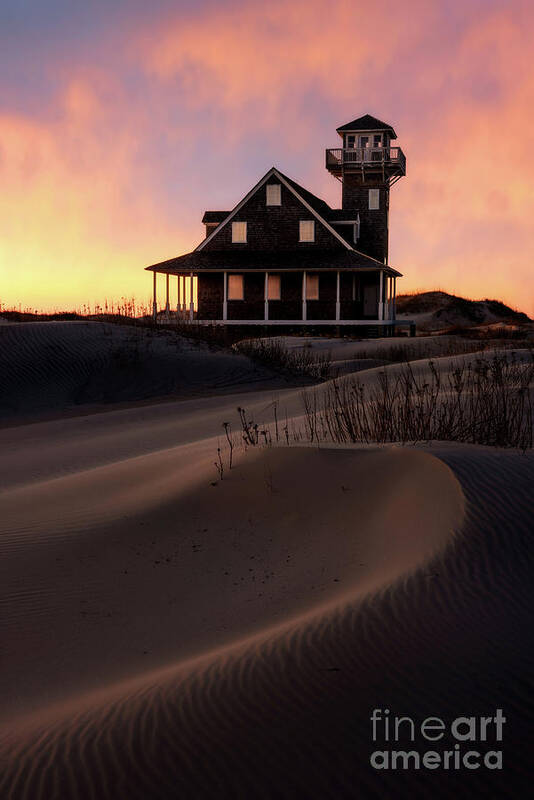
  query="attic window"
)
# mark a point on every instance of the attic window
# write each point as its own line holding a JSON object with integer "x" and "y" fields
{"x": 374, "y": 199}
{"x": 239, "y": 232}
{"x": 274, "y": 194}
{"x": 307, "y": 230}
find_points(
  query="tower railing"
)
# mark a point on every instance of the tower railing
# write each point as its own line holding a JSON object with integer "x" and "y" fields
{"x": 371, "y": 156}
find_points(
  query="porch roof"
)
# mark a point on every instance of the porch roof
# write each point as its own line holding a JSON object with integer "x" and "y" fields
{"x": 272, "y": 261}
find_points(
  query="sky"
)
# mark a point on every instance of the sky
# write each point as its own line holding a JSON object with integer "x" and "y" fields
{"x": 120, "y": 123}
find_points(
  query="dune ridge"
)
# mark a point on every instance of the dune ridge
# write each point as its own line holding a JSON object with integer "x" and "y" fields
{"x": 52, "y": 368}
{"x": 286, "y": 716}
{"x": 167, "y": 634}
{"x": 87, "y": 729}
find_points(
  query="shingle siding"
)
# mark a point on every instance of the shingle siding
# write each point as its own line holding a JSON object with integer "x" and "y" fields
{"x": 210, "y": 296}
{"x": 373, "y": 239}
{"x": 273, "y": 227}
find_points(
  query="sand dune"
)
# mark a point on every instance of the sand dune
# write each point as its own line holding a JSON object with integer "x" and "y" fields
{"x": 284, "y": 713}
{"x": 49, "y": 368}
{"x": 107, "y": 552}
{"x": 167, "y": 634}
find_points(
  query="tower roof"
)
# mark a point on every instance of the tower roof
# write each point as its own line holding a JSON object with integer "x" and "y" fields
{"x": 367, "y": 123}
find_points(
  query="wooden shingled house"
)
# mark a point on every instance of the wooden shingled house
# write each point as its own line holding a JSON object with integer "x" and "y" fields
{"x": 283, "y": 257}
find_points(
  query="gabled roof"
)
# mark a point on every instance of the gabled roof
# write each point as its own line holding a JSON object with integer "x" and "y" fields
{"x": 319, "y": 205}
{"x": 347, "y": 257}
{"x": 309, "y": 200}
{"x": 367, "y": 123}
{"x": 214, "y": 216}
{"x": 276, "y": 261}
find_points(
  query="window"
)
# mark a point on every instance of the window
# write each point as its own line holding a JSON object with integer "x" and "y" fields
{"x": 374, "y": 199}
{"x": 307, "y": 230}
{"x": 235, "y": 287}
{"x": 356, "y": 229}
{"x": 239, "y": 232}
{"x": 351, "y": 141}
{"x": 274, "y": 194}
{"x": 273, "y": 287}
{"x": 312, "y": 287}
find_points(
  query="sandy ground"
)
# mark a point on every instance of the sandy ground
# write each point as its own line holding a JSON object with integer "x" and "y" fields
{"x": 169, "y": 634}
{"x": 50, "y": 369}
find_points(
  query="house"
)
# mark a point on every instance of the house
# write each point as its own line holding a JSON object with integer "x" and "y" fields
{"x": 284, "y": 257}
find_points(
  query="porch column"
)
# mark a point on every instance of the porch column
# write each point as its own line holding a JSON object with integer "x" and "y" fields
{"x": 167, "y": 307}
{"x": 304, "y": 296}
{"x": 154, "y": 299}
{"x": 266, "y": 297}
{"x": 338, "y": 303}
{"x": 225, "y": 296}
{"x": 380, "y": 296}
{"x": 394, "y": 308}
{"x": 178, "y": 295}
{"x": 191, "y": 299}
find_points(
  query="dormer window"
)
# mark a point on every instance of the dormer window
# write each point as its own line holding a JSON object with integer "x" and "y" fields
{"x": 274, "y": 194}
{"x": 306, "y": 230}
{"x": 239, "y": 232}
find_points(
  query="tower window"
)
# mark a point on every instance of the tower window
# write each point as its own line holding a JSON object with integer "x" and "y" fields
{"x": 273, "y": 287}
{"x": 356, "y": 228}
{"x": 312, "y": 287}
{"x": 235, "y": 287}
{"x": 239, "y": 232}
{"x": 307, "y": 230}
{"x": 374, "y": 199}
{"x": 274, "y": 194}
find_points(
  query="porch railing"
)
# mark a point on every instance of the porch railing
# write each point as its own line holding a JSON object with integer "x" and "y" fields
{"x": 365, "y": 155}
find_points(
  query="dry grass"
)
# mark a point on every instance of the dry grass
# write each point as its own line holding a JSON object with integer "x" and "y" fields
{"x": 486, "y": 401}
{"x": 272, "y": 353}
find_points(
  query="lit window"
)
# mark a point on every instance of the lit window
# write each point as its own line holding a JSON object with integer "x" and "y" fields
{"x": 312, "y": 287}
{"x": 273, "y": 287}
{"x": 307, "y": 230}
{"x": 274, "y": 194}
{"x": 374, "y": 199}
{"x": 235, "y": 287}
{"x": 239, "y": 232}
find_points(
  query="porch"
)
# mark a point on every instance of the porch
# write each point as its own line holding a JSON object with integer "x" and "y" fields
{"x": 281, "y": 298}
